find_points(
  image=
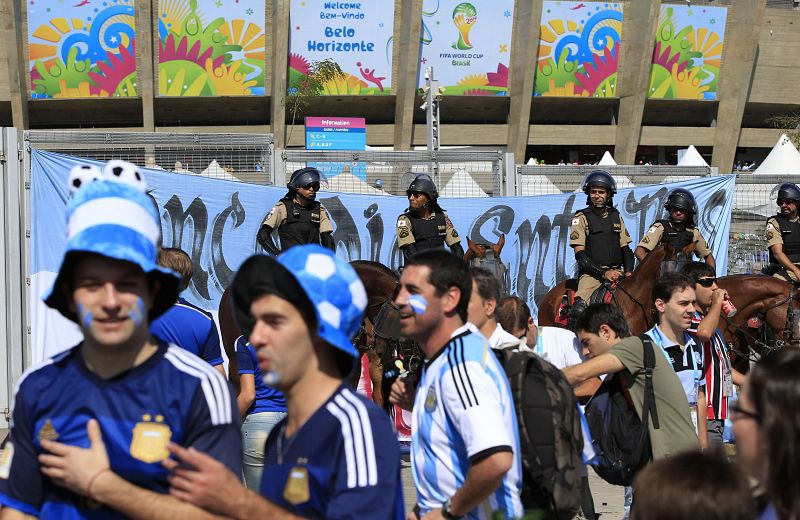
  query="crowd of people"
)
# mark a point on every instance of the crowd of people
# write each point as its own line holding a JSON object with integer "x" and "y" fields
{"x": 139, "y": 421}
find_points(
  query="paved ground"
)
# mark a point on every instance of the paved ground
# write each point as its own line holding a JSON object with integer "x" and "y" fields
{"x": 608, "y": 499}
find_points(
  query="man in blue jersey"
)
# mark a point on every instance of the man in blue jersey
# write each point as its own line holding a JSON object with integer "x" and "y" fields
{"x": 465, "y": 444}
{"x": 336, "y": 454}
{"x": 90, "y": 426}
{"x": 186, "y": 325}
{"x": 261, "y": 408}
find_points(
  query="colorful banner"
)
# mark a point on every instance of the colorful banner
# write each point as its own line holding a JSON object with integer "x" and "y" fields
{"x": 468, "y": 44}
{"x": 81, "y": 49}
{"x": 579, "y": 49}
{"x": 688, "y": 52}
{"x": 211, "y": 48}
{"x": 355, "y": 34}
{"x": 216, "y": 222}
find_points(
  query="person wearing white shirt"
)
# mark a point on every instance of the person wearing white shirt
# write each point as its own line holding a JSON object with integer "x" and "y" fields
{"x": 482, "y": 305}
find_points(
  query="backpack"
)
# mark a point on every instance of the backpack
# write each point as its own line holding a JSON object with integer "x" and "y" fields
{"x": 621, "y": 439}
{"x": 551, "y": 439}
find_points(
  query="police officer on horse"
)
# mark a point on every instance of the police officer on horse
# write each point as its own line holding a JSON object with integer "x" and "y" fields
{"x": 679, "y": 231}
{"x": 425, "y": 225}
{"x": 599, "y": 239}
{"x": 298, "y": 216}
{"x": 783, "y": 235}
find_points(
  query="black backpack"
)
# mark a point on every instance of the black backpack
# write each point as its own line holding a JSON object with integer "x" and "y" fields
{"x": 621, "y": 439}
{"x": 551, "y": 439}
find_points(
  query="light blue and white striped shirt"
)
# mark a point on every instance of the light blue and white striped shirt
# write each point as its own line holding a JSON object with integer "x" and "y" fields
{"x": 463, "y": 413}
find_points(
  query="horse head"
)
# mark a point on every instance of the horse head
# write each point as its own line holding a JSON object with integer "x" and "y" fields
{"x": 476, "y": 250}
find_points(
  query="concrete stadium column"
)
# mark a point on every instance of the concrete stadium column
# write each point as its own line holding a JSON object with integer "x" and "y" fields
{"x": 738, "y": 62}
{"x": 405, "y": 63}
{"x": 280, "y": 67}
{"x": 147, "y": 53}
{"x": 639, "y": 26}
{"x": 524, "y": 52}
{"x": 15, "y": 66}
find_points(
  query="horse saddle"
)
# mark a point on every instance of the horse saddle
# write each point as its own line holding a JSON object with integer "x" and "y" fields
{"x": 603, "y": 294}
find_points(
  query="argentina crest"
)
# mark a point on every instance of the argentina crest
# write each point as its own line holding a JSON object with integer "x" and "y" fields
{"x": 150, "y": 439}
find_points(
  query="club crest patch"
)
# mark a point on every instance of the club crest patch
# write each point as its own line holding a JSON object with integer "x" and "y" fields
{"x": 430, "y": 400}
{"x": 297, "y": 490}
{"x": 150, "y": 439}
{"x": 48, "y": 432}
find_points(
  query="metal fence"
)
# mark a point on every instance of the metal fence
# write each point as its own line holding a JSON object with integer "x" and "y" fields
{"x": 457, "y": 173}
{"x": 235, "y": 157}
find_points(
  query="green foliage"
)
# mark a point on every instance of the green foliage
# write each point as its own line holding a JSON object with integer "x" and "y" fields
{"x": 305, "y": 87}
{"x": 790, "y": 124}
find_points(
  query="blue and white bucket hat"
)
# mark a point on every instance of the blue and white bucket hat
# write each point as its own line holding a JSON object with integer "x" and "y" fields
{"x": 331, "y": 286}
{"x": 110, "y": 215}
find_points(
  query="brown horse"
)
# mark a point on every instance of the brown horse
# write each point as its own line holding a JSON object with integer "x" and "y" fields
{"x": 633, "y": 294}
{"x": 380, "y": 283}
{"x": 766, "y": 298}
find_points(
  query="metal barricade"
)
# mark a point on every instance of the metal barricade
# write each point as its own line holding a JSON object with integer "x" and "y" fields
{"x": 457, "y": 173}
{"x": 234, "y": 157}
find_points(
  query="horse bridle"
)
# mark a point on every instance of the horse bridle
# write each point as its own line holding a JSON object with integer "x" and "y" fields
{"x": 612, "y": 288}
{"x": 398, "y": 345}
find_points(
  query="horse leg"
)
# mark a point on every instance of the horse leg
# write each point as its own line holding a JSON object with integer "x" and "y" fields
{"x": 376, "y": 376}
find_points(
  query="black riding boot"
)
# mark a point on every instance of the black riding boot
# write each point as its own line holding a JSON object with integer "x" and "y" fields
{"x": 578, "y": 307}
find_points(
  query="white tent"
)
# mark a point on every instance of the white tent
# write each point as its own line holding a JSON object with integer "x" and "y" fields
{"x": 215, "y": 171}
{"x": 784, "y": 159}
{"x": 692, "y": 158}
{"x": 346, "y": 182}
{"x": 537, "y": 185}
{"x": 461, "y": 184}
{"x": 607, "y": 160}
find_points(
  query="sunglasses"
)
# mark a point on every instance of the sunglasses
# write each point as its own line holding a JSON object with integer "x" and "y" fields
{"x": 784, "y": 202}
{"x": 706, "y": 282}
{"x": 313, "y": 186}
{"x": 415, "y": 194}
{"x": 740, "y": 413}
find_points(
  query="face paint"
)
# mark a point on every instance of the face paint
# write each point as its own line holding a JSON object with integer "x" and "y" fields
{"x": 137, "y": 313}
{"x": 85, "y": 316}
{"x": 271, "y": 378}
{"x": 417, "y": 303}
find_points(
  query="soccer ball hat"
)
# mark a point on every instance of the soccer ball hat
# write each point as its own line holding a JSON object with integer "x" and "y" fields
{"x": 110, "y": 215}
{"x": 332, "y": 289}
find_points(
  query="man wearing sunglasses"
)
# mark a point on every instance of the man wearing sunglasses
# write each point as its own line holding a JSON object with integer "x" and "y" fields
{"x": 425, "y": 225}
{"x": 783, "y": 235}
{"x": 679, "y": 230}
{"x": 718, "y": 373}
{"x": 298, "y": 216}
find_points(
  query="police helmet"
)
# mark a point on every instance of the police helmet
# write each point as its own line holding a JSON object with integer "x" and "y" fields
{"x": 423, "y": 183}
{"x": 789, "y": 191}
{"x": 599, "y": 179}
{"x": 304, "y": 177}
{"x": 681, "y": 199}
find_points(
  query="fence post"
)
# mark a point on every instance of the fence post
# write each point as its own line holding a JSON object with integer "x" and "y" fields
{"x": 509, "y": 174}
{"x": 278, "y": 167}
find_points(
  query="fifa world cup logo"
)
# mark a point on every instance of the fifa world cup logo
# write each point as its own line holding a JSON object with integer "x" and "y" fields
{"x": 464, "y": 18}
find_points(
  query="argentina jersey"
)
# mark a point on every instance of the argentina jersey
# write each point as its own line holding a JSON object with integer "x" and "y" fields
{"x": 463, "y": 413}
{"x": 343, "y": 462}
{"x": 189, "y": 327}
{"x": 172, "y": 396}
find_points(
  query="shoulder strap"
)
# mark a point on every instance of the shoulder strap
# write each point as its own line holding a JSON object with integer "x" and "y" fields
{"x": 649, "y": 403}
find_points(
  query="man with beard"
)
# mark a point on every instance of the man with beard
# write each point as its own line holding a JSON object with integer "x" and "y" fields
{"x": 425, "y": 225}
{"x": 298, "y": 216}
{"x": 783, "y": 235}
{"x": 679, "y": 230}
{"x": 599, "y": 239}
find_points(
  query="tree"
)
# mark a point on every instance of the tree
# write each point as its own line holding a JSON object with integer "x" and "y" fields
{"x": 790, "y": 124}
{"x": 310, "y": 85}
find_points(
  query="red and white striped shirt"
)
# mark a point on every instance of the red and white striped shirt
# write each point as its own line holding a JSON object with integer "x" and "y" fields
{"x": 716, "y": 362}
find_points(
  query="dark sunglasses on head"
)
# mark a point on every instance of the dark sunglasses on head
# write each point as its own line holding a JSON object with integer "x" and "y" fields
{"x": 706, "y": 282}
{"x": 313, "y": 186}
{"x": 781, "y": 202}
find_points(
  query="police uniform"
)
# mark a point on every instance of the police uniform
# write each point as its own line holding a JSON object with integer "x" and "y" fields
{"x": 298, "y": 224}
{"x": 603, "y": 237}
{"x": 430, "y": 233}
{"x": 785, "y": 232}
{"x": 173, "y": 396}
{"x": 663, "y": 232}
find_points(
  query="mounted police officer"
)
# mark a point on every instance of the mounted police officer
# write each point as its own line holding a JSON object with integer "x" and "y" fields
{"x": 599, "y": 238}
{"x": 783, "y": 235}
{"x": 679, "y": 230}
{"x": 298, "y": 216}
{"x": 425, "y": 225}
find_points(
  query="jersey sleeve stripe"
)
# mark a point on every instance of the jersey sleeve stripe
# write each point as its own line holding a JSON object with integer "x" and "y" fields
{"x": 214, "y": 387}
{"x": 461, "y": 349}
{"x": 358, "y": 437}
{"x": 369, "y": 441}
{"x": 453, "y": 372}
{"x": 349, "y": 456}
